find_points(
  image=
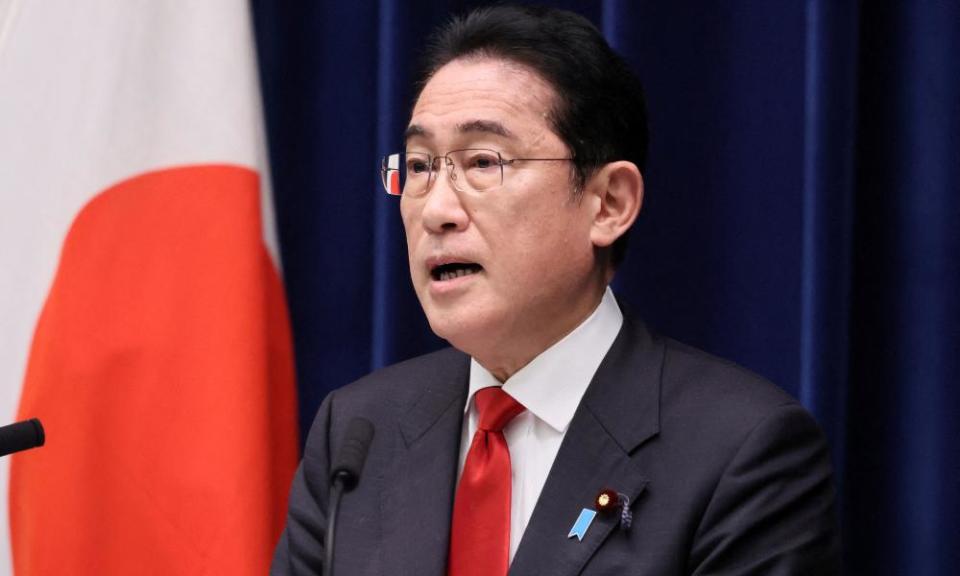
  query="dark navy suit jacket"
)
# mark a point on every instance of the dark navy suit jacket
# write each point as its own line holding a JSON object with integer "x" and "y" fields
{"x": 726, "y": 473}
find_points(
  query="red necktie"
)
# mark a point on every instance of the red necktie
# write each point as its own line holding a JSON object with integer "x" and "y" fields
{"x": 480, "y": 536}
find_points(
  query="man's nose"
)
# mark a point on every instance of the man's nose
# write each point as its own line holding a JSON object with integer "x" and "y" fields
{"x": 443, "y": 208}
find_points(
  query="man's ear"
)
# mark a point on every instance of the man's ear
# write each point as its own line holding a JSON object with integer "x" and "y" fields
{"x": 617, "y": 191}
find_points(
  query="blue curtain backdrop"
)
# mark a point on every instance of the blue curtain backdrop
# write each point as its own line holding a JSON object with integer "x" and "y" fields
{"x": 802, "y": 218}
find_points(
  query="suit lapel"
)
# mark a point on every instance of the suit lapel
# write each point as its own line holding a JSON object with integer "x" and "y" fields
{"x": 417, "y": 503}
{"x": 619, "y": 412}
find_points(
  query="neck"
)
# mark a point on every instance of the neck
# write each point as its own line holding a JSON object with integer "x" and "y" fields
{"x": 512, "y": 354}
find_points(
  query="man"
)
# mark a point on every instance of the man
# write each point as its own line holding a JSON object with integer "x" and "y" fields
{"x": 558, "y": 436}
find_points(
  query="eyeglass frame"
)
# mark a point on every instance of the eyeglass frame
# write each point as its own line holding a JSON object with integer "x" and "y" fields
{"x": 451, "y": 166}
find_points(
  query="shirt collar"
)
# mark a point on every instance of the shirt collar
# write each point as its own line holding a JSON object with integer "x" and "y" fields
{"x": 552, "y": 384}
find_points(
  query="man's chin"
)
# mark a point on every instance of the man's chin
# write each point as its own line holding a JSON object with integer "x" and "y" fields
{"x": 464, "y": 332}
{"x": 449, "y": 329}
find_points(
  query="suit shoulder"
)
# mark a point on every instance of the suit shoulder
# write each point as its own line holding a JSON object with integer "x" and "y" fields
{"x": 385, "y": 394}
{"x": 407, "y": 379}
{"x": 711, "y": 409}
{"x": 689, "y": 370}
{"x": 722, "y": 397}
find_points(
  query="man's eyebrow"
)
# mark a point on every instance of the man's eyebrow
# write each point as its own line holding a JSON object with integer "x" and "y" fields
{"x": 484, "y": 126}
{"x": 415, "y": 130}
{"x": 487, "y": 126}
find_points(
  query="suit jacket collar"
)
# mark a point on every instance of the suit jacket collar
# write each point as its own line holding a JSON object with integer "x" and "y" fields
{"x": 619, "y": 412}
{"x": 625, "y": 393}
{"x": 417, "y": 501}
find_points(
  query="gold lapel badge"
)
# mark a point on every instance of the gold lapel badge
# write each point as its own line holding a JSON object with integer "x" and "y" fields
{"x": 609, "y": 501}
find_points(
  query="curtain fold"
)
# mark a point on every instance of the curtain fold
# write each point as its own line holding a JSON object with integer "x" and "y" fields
{"x": 827, "y": 225}
{"x": 903, "y": 491}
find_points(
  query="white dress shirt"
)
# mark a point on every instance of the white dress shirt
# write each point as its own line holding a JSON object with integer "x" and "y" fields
{"x": 550, "y": 388}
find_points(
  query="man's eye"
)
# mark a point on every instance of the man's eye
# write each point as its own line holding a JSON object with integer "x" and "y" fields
{"x": 482, "y": 161}
{"x": 417, "y": 166}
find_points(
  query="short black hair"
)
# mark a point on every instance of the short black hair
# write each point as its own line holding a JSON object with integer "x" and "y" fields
{"x": 600, "y": 111}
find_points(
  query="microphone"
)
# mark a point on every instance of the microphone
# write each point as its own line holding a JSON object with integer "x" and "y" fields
{"x": 344, "y": 475}
{"x": 353, "y": 452}
{"x": 21, "y": 436}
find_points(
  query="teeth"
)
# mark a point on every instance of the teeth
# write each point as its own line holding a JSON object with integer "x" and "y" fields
{"x": 457, "y": 273}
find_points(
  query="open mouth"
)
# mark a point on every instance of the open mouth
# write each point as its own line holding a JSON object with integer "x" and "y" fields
{"x": 454, "y": 270}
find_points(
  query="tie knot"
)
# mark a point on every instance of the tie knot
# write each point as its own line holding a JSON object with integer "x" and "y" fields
{"x": 496, "y": 408}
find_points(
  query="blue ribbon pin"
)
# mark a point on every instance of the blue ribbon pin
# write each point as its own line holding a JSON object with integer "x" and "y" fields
{"x": 583, "y": 522}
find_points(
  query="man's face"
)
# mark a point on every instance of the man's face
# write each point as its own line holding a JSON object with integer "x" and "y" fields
{"x": 504, "y": 273}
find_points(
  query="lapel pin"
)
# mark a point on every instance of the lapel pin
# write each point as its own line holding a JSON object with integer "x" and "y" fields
{"x": 609, "y": 501}
{"x": 583, "y": 522}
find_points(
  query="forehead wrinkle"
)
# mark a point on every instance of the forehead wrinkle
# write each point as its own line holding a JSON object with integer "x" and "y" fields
{"x": 464, "y": 94}
{"x": 489, "y": 114}
{"x": 447, "y": 100}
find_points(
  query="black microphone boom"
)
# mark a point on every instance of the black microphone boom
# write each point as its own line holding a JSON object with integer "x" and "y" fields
{"x": 344, "y": 475}
{"x": 21, "y": 436}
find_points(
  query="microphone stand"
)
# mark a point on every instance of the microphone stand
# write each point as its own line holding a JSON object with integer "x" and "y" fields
{"x": 344, "y": 477}
{"x": 336, "y": 491}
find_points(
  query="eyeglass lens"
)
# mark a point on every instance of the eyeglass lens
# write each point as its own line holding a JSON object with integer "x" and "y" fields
{"x": 413, "y": 173}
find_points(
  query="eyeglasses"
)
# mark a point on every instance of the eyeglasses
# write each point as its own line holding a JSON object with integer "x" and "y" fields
{"x": 469, "y": 170}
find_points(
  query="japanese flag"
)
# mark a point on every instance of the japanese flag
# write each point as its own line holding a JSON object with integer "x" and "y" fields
{"x": 142, "y": 312}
